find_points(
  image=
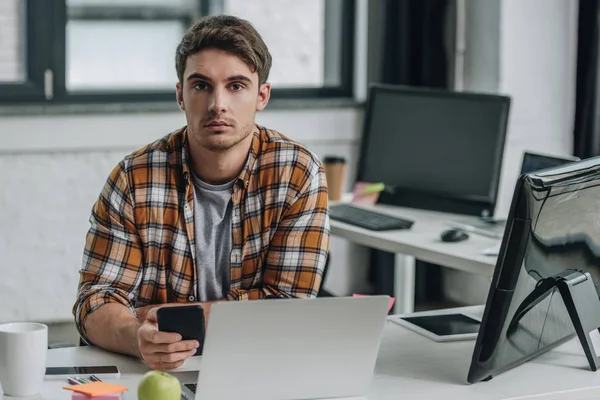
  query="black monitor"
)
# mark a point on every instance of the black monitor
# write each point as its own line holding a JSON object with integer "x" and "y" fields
{"x": 435, "y": 149}
{"x": 537, "y": 161}
{"x": 553, "y": 231}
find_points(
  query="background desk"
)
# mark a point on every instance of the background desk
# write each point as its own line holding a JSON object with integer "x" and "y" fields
{"x": 408, "y": 366}
{"x": 421, "y": 242}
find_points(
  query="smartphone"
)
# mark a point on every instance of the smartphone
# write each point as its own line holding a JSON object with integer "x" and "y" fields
{"x": 188, "y": 321}
{"x": 107, "y": 371}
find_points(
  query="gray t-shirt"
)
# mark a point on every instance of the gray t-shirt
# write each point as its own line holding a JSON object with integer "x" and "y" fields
{"x": 212, "y": 225}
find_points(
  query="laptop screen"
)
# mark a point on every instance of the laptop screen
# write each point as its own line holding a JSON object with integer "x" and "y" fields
{"x": 535, "y": 161}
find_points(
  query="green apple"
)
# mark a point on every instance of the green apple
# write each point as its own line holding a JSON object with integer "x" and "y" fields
{"x": 158, "y": 385}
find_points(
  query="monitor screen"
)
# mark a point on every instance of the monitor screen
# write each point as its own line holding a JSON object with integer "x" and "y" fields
{"x": 534, "y": 161}
{"x": 443, "y": 143}
{"x": 553, "y": 226}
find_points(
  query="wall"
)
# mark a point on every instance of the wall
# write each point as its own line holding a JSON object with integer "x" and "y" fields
{"x": 527, "y": 50}
{"x": 537, "y": 69}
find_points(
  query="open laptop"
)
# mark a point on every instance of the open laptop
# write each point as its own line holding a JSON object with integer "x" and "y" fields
{"x": 290, "y": 349}
{"x": 538, "y": 161}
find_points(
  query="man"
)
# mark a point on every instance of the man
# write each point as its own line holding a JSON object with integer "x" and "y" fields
{"x": 220, "y": 210}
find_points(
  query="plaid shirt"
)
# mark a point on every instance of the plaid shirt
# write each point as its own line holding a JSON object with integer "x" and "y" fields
{"x": 140, "y": 248}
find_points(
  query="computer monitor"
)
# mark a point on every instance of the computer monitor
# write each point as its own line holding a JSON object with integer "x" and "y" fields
{"x": 553, "y": 226}
{"x": 537, "y": 161}
{"x": 436, "y": 149}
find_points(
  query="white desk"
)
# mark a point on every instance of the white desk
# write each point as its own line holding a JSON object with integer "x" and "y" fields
{"x": 409, "y": 366}
{"x": 422, "y": 242}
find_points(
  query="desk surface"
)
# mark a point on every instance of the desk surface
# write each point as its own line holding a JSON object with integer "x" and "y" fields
{"x": 409, "y": 366}
{"x": 422, "y": 241}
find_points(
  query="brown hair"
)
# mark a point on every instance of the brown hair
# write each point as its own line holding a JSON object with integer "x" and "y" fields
{"x": 231, "y": 34}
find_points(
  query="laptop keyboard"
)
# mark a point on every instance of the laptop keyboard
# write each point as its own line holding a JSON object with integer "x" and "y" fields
{"x": 187, "y": 391}
{"x": 191, "y": 386}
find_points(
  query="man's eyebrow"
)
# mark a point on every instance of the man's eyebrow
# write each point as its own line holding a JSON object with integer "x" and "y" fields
{"x": 197, "y": 75}
{"x": 239, "y": 78}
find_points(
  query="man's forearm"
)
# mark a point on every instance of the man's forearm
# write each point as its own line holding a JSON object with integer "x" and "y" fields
{"x": 114, "y": 328}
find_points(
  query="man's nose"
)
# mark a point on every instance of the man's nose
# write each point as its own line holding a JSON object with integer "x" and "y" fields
{"x": 218, "y": 102}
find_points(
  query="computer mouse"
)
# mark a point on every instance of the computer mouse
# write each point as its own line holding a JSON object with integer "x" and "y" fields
{"x": 454, "y": 235}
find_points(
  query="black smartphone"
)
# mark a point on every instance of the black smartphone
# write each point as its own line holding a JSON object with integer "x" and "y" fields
{"x": 188, "y": 321}
{"x": 108, "y": 371}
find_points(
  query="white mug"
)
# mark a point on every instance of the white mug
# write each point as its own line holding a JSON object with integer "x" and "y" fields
{"x": 23, "y": 353}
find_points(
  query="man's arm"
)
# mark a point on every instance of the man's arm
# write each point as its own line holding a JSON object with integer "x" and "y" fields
{"x": 114, "y": 328}
{"x": 111, "y": 270}
{"x": 110, "y": 279}
{"x": 298, "y": 251}
{"x": 119, "y": 331}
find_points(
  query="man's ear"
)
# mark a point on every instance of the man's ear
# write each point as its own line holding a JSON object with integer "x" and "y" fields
{"x": 180, "y": 102}
{"x": 264, "y": 94}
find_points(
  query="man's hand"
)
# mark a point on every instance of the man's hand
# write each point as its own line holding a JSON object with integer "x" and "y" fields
{"x": 142, "y": 312}
{"x": 162, "y": 350}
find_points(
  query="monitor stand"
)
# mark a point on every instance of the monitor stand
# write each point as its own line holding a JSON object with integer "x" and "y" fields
{"x": 581, "y": 300}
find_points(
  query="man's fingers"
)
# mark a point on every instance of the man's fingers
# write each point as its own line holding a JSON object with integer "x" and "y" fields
{"x": 183, "y": 345}
{"x": 166, "y": 361}
{"x": 166, "y": 366}
{"x": 150, "y": 334}
{"x": 169, "y": 358}
{"x": 152, "y": 315}
{"x": 158, "y": 337}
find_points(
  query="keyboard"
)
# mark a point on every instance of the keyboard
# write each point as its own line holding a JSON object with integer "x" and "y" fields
{"x": 367, "y": 219}
{"x": 191, "y": 386}
{"x": 188, "y": 391}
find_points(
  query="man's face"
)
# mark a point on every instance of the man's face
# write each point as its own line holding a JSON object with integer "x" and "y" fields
{"x": 220, "y": 95}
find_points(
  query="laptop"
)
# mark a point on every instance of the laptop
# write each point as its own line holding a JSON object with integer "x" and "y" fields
{"x": 537, "y": 161}
{"x": 290, "y": 349}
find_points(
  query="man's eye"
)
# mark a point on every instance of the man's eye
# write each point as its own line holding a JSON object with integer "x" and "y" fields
{"x": 236, "y": 87}
{"x": 200, "y": 86}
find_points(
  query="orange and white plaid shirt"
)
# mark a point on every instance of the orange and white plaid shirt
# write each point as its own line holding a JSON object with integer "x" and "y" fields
{"x": 140, "y": 248}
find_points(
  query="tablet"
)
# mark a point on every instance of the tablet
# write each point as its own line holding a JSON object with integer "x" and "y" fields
{"x": 441, "y": 326}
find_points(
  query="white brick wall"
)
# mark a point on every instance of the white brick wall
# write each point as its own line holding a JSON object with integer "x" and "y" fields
{"x": 45, "y": 203}
{"x": 11, "y": 68}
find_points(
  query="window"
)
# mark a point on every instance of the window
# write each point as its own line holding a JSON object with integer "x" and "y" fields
{"x": 23, "y": 56}
{"x": 12, "y": 56}
{"x": 115, "y": 51}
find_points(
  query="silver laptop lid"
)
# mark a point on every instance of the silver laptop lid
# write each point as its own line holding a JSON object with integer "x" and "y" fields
{"x": 292, "y": 349}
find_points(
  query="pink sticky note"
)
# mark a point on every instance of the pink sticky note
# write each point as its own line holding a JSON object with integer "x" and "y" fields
{"x": 360, "y": 198}
{"x": 392, "y": 300}
{"x": 110, "y": 396}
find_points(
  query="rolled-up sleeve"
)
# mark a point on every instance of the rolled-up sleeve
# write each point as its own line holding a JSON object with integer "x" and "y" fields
{"x": 298, "y": 250}
{"x": 112, "y": 258}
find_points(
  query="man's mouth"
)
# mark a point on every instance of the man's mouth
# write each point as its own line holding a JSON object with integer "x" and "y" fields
{"x": 217, "y": 124}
